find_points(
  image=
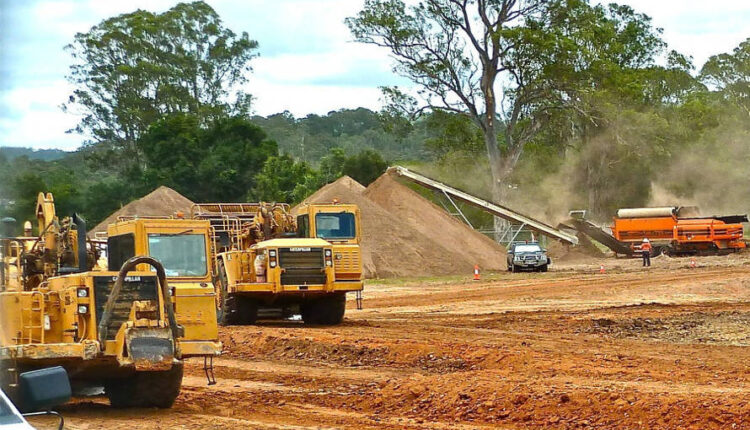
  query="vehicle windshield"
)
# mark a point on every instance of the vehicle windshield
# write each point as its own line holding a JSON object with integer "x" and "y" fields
{"x": 7, "y": 415}
{"x": 335, "y": 225}
{"x": 528, "y": 248}
{"x": 183, "y": 255}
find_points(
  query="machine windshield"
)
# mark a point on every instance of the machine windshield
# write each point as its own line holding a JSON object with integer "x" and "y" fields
{"x": 183, "y": 255}
{"x": 335, "y": 225}
{"x": 528, "y": 248}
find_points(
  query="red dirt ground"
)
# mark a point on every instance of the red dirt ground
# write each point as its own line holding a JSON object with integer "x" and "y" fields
{"x": 572, "y": 348}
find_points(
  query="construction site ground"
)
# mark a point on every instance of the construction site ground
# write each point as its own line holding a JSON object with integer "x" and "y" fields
{"x": 665, "y": 347}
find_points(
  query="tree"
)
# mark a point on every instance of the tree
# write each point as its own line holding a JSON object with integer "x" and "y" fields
{"x": 365, "y": 167}
{"x": 511, "y": 66}
{"x": 284, "y": 180}
{"x": 218, "y": 162}
{"x": 730, "y": 74}
{"x": 332, "y": 165}
{"x": 132, "y": 69}
{"x": 454, "y": 51}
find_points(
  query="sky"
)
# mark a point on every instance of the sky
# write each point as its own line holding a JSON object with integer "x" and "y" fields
{"x": 308, "y": 62}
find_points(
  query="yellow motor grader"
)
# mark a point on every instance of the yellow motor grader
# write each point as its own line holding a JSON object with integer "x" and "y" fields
{"x": 126, "y": 330}
{"x": 270, "y": 263}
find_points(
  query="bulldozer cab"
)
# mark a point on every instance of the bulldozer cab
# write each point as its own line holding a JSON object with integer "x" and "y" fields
{"x": 335, "y": 223}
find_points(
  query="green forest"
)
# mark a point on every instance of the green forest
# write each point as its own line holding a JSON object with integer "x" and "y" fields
{"x": 549, "y": 107}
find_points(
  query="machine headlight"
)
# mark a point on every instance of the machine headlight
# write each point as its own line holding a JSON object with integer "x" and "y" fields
{"x": 83, "y": 309}
{"x": 329, "y": 263}
{"x": 272, "y": 253}
{"x": 83, "y": 292}
{"x": 328, "y": 252}
{"x": 272, "y": 264}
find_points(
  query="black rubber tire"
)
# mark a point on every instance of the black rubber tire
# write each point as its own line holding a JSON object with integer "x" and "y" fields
{"x": 665, "y": 250}
{"x": 327, "y": 310}
{"x": 227, "y": 312}
{"x": 543, "y": 268}
{"x": 146, "y": 389}
{"x": 247, "y": 310}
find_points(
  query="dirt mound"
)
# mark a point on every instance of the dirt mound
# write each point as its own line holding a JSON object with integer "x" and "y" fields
{"x": 390, "y": 246}
{"x": 586, "y": 251}
{"x": 163, "y": 201}
{"x": 432, "y": 221}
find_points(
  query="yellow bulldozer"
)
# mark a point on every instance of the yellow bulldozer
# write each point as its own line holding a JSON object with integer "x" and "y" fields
{"x": 272, "y": 264}
{"x": 128, "y": 329}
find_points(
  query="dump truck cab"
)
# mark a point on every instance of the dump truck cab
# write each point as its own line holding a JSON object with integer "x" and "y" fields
{"x": 184, "y": 248}
{"x": 338, "y": 224}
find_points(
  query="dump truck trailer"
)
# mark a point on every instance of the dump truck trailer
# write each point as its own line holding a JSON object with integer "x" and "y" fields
{"x": 117, "y": 328}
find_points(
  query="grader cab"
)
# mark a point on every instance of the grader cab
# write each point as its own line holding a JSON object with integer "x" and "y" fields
{"x": 270, "y": 263}
{"x": 116, "y": 329}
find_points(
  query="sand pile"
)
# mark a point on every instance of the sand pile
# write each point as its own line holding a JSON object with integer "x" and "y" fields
{"x": 391, "y": 247}
{"x": 434, "y": 222}
{"x": 163, "y": 201}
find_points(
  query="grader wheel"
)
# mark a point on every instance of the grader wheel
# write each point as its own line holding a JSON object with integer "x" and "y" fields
{"x": 326, "y": 310}
{"x": 146, "y": 389}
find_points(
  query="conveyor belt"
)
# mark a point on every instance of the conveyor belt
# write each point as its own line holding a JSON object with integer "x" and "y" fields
{"x": 487, "y": 206}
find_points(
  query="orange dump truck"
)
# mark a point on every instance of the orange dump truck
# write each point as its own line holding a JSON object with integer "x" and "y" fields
{"x": 671, "y": 234}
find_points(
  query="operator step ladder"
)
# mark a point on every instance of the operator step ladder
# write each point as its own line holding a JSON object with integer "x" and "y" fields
{"x": 519, "y": 222}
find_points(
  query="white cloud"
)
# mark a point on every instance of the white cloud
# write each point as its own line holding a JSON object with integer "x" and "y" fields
{"x": 696, "y": 27}
{"x": 32, "y": 117}
{"x": 308, "y": 63}
{"x": 302, "y": 100}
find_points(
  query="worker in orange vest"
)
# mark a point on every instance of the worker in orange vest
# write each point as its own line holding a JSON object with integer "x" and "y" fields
{"x": 646, "y": 251}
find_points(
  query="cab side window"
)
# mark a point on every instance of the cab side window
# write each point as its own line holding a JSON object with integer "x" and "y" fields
{"x": 303, "y": 226}
{"x": 119, "y": 250}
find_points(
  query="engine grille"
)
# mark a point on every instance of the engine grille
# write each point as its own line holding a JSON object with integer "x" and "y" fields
{"x": 302, "y": 266}
{"x": 134, "y": 288}
{"x": 347, "y": 261}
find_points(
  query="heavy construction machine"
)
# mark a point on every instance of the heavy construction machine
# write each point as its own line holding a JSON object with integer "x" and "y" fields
{"x": 271, "y": 263}
{"x": 671, "y": 231}
{"x": 124, "y": 329}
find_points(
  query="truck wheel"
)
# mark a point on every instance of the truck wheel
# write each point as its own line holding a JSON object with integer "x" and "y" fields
{"x": 543, "y": 268}
{"x": 328, "y": 310}
{"x": 226, "y": 310}
{"x": 146, "y": 389}
{"x": 247, "y": 310}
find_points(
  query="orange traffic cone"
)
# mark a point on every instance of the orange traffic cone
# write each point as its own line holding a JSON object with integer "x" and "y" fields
{"x": 692, "y": 263}
{"x": 476, "y": 272}
{"x": 601, "y": 269}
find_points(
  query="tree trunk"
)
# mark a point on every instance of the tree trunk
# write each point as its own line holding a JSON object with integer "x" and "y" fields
{"x": 499, "y": 187}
